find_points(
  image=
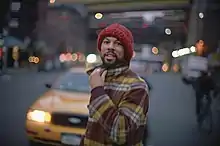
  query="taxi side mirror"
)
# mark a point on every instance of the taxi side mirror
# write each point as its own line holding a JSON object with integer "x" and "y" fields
{"x": 48, "y": 85}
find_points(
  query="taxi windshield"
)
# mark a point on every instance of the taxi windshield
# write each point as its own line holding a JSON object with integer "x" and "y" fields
{"x": 75, "y": 82}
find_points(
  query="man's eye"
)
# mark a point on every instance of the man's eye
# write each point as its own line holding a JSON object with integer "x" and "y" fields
{"x": 118, "y": 43}
{"x": 105, "y": 42}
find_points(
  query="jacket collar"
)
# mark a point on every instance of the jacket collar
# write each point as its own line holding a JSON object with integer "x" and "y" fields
{"x": 117, "y": 71}
{"x": 112, "y": 71}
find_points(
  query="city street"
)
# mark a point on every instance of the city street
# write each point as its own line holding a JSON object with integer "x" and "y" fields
{"x": 18, "y": 92}
{"x": 172, "y": 119}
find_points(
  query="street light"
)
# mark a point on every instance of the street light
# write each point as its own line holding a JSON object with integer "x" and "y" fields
{"x": 52, "y": 1}
{"x": 98, "y": 15}
{"x": 168, "y": 31}
{"x": 175, "y": 54}
{"x": 155, "y": 50}
{"x": 91, "y": 58}
{"x": 201, "y": 15}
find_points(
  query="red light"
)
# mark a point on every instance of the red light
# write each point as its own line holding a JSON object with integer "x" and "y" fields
{"x": 79, "y": 54}
{"x": 1, "y": 52}
{"x": 144, "y": 26}
{"x": 69, "y": 56}
{"x": 62, "y": 57}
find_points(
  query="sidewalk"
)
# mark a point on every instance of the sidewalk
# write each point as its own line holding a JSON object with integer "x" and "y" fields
{"x": 18, "y": 71}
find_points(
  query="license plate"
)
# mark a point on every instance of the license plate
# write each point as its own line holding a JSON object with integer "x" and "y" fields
{"x": 70, "y": 139}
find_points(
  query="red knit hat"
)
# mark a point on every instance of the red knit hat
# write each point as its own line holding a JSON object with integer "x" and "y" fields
{"x": 122, "y": 34}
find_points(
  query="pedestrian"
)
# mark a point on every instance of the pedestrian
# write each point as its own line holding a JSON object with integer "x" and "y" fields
{"x": 119, "y": 97}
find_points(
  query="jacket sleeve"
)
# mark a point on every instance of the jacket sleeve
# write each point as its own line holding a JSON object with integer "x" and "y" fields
{"x": 119, "y": 121}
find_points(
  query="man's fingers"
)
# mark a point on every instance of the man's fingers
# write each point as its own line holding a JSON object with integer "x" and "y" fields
{"x": 103, "y": 75}
{"x": 96, "y": 71}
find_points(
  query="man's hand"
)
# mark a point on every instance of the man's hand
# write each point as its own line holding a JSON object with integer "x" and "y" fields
{"x": 96, "y": 78}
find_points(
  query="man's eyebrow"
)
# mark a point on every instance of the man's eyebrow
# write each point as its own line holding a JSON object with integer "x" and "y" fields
{"x": 106, "y": 39}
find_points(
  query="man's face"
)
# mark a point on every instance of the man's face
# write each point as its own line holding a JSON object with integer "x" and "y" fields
{"x": 111, "y": 51}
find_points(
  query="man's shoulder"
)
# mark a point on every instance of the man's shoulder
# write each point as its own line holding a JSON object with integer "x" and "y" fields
{"x": 134, "y": 82}
{"x": 126, "y": 82}
{"x": 133, "y": 78}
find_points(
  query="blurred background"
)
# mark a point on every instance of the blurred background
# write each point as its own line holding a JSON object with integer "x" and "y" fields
{"x": 61, "y": 33}
{"x": 39, "y": 39}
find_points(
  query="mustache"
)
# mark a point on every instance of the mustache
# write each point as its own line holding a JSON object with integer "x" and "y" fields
{"x": 110, "y": 52}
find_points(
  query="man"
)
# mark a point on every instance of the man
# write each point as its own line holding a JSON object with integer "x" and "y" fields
{"x": 119, "y": 98}
{"x": 198, "y": 72}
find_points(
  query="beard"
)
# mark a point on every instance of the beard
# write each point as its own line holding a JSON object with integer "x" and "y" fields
{"x": 108, "y": 64}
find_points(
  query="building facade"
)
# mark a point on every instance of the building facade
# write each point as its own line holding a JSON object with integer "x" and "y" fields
{"x": 62, "y": 26}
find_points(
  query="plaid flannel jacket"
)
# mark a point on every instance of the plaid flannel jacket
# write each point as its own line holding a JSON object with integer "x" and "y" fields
{"x": 117, "y": 111}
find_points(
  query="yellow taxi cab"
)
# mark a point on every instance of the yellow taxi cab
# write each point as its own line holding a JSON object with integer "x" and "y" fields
{"x": 59, "y": 116}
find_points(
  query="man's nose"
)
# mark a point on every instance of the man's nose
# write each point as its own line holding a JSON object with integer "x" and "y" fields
{"x": 111, "y": 46}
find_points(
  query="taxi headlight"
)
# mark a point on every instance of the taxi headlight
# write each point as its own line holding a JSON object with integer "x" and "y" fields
{"x": 39, "y": 116}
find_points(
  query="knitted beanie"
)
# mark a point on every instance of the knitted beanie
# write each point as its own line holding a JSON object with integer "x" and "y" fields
{"x": 123, "y": 34}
